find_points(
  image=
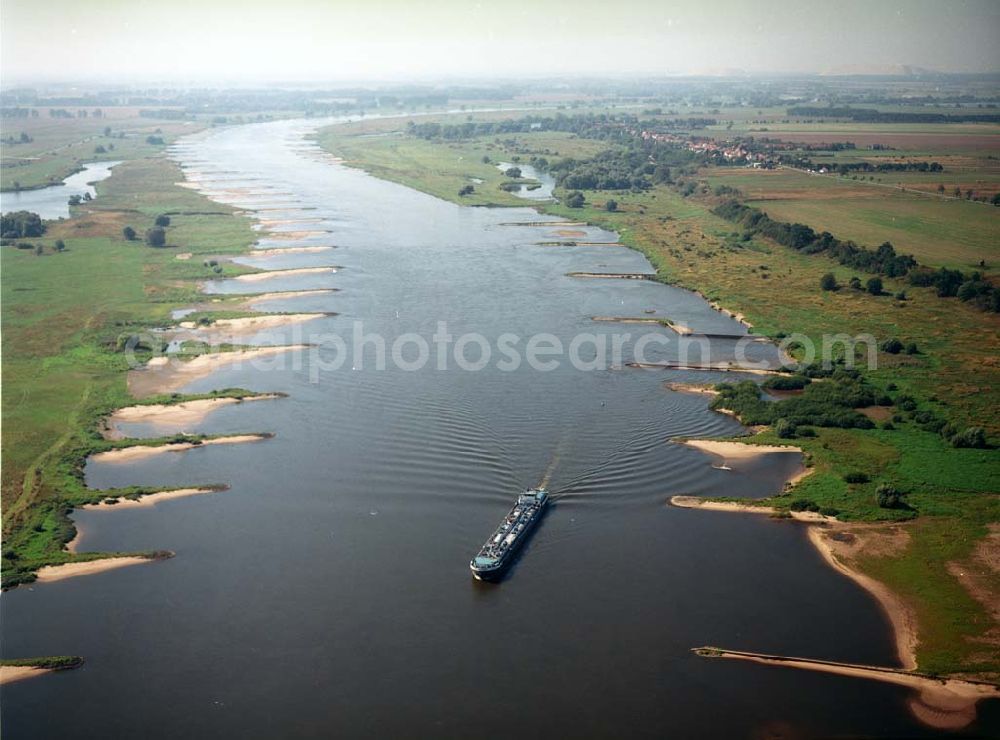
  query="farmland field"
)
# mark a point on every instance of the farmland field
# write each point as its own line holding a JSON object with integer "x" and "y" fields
{"x": 937, "y": 231}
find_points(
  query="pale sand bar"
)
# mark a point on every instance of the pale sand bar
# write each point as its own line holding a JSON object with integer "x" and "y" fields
{"x": 50, "y": 573}
{"x": 163, "y": 414}
{"x": 161, "y": 375}
{"x": 141, "y": 452}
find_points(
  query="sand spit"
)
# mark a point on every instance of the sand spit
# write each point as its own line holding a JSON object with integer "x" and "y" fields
{"x": 268, "y": 222}
{"x": 257, "y": 276}
{"x": 945, "y": 704}
{"x": 51, "y": 573}
{"x": 630, "y": 320}
{"x": 142, "y": 452}
{"x": 143, "y": 502}
{"x": 719, "y": 366}
{"x": 738, "y": 507}
{"x": 287, "y": 250}
{"x": 700, "y": 389}
{"x": 188, "y": 412}
{"x": 614, "y": 275}
{"x": 12, "y": 673}
{"x": 253, "y": 324}
{"x": 166, "y": 374}
{"x": 735, "y": 450}
{"x": 278, "y": 295}
{"x": 544, "y": 223}
{"x": 292, "y": 235}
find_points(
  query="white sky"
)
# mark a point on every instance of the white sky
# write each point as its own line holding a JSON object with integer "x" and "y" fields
{"x": 338, "y": 40}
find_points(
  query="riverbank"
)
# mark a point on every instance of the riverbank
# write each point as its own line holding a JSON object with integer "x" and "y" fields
{"x": 945, "y": 704}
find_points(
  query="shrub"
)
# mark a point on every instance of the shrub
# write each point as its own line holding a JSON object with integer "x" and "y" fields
{"x": 888, "y": 426}
{"x": 829, "y": 511}
{"x": 874, "y": 286}
{"x": 892, "y": 346}
{"x": 855, "y": 283}
{"x": 575, "y": 199}
{"x": 514, "y": 172}
{"x": 803, "y": 504}
{"x": 156, "y": 237}
{"x": 466, "y": 190}
{"x": 784, "y": 429}
{"x": 611, "y": 206}
{"x": 786, "y": 382}
{"x": 163, "y": 220}
{"x": 970, "y": 437}
{"x": 129, "y": 233}
{"x": 856, "y": 476}
{"x": 828, "y": 282}
{"x": 911, "y": 348}
{"x": 60, "y": 245}
{"x": 888, "y": 497}
{"x": 805, "y": 431}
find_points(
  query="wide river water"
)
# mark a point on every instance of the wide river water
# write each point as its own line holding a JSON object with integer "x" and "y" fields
{"x": 327, "y": 593}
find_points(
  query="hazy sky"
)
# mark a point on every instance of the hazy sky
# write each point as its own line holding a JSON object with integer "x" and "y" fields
{"x": 284, "y": 40}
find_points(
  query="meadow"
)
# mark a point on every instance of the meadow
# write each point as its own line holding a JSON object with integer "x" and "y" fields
{"x": 937, "y": 231}
{"x": 60, "y": 146}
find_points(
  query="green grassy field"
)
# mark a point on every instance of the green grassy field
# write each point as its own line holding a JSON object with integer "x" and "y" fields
{"x": 937, "y": 231}
{"x": 953, "y": 491}
{"x": 63, "y": 313}
{"x": 61, "y": 146}
{"x": 381, "y": 148}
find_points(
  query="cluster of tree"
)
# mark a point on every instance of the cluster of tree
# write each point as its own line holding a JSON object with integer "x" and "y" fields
{"x": 20, "y": 224}
{"x": 22, "y": 139}
{"x": 882, "y": 261}
{"x": 166, "y": 114}
{"x": 849, "y": 167}
{"x": 828, "y": 404}
{"x": 75, "y": 200}
{"x": 871, "y": 115}
{"x": 154, "y": 140}
{"x": 18, "y": 112}
{"x": 601, "y": 126}
{"x": 955, "y": 283}
{"x": 154, "y": 237}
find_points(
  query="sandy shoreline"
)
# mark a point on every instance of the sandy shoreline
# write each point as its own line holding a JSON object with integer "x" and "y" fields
{"x": 947, "y": 704}
{"x": 51, "y": 573}
{"x": 736, "y": 450}
{"x": 700, "y": 389}
{"x": 267, "y": 275}
{"x": 12, "y": 673}
{"x": 900, "y": 615}
{"x": 278, "y": 295}
{"x": 278, "y": 251}
{"x": 248, "y": 325}
{"x": 144, "y": 502}
{"x": 141, "y": 452}
{"x": 161, "y": 375}
{"x": 187, "y": 412}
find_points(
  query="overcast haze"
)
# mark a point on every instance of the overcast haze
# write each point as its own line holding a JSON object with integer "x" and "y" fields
{"x": 251, "y": 41}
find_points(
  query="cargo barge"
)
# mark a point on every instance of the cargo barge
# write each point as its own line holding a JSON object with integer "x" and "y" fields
{"x": 496, "y": 555}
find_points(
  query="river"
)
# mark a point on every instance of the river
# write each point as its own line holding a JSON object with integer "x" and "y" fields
{"x": 52, "y": 202}
{"x": 327, "y": 593}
